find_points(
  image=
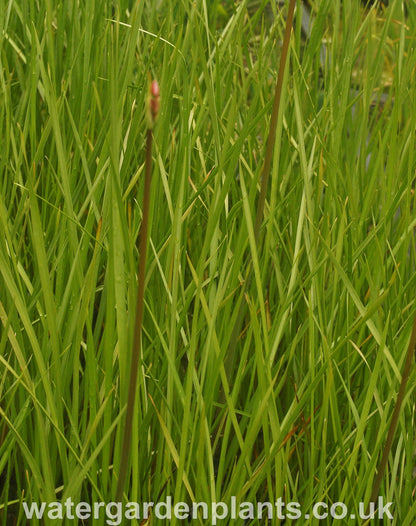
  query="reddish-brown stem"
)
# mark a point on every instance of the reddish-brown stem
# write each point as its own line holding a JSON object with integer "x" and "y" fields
{"x": 265, "y": 173}
{"x": 136, "y": 352}
{"x": 396, "y": 413}
{"x": 273, "y": 121}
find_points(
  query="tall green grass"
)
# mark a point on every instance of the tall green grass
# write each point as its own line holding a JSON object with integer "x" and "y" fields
{"x": 301, "y": 410}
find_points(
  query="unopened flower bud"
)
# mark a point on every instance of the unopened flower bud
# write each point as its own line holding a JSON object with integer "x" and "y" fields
{"x": 152, "y": 104}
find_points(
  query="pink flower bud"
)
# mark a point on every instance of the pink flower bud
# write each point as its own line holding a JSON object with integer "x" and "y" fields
{"x": 153, "y": 104}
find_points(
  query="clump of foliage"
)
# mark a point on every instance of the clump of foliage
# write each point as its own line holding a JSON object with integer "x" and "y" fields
{"x": 301, "y": 409}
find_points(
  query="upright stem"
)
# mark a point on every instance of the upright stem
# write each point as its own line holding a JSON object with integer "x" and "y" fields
{"x": 273, "y": 121}
{"x": 265, "y": 174}
{"x": 135, "y": 357}
{"x": 396, "y": 413}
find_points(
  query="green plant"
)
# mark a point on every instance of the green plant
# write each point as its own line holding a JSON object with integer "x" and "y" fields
{"x": 303, "y": 410}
